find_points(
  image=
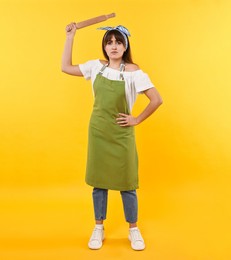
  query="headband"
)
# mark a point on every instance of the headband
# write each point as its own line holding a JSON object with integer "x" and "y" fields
{"x": 120, "y": 28}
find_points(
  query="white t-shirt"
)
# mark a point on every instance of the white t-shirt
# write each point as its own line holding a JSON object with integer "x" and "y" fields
{"x": 135, "y": 81}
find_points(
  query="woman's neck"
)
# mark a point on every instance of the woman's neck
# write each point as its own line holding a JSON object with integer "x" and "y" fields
{"x": 114, "y": 64}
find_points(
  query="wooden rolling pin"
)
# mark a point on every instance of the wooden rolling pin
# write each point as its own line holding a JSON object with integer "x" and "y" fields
{"x": 94, "y": 20}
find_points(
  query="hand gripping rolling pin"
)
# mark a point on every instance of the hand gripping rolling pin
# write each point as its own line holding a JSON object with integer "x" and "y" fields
{"x": 94, "y": 20}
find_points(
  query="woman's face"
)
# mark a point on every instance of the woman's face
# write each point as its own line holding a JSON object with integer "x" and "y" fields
{"x": 114, "y": 49}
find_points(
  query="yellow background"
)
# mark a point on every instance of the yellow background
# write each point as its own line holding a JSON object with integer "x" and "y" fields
{"x": 184, "y": 148}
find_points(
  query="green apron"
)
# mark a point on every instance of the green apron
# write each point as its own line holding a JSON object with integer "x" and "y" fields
{"x": 112, "y": 161}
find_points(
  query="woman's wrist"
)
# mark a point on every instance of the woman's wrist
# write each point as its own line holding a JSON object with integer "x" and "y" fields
{"x": 70, "y": 37}
{"x": 137, "y": 120}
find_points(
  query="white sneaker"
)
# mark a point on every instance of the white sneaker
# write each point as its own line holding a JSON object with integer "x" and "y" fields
{"x": 96, "y": 239}
{"x": 137, "y": 242}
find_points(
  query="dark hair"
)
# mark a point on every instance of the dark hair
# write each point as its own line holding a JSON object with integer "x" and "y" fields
{"x": 127, "y": 56}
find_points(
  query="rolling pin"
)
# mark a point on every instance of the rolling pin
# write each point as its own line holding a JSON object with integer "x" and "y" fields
{"x": 94, "y": 20}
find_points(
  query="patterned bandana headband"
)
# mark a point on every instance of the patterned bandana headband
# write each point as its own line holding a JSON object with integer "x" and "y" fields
{"x": 120, "y": 28}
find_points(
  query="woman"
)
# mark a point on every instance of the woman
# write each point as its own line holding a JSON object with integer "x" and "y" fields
{"x": 112, "y": 162}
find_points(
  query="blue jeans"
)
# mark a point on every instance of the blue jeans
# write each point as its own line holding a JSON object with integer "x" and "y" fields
{"x": 129, "y": 203}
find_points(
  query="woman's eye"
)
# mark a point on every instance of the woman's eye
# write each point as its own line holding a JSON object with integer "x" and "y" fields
{"x": 111, "y": 42}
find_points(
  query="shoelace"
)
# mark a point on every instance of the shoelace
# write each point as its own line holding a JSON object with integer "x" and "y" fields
{"x": 96, "y": 235}
{"x": 135, "y": 234}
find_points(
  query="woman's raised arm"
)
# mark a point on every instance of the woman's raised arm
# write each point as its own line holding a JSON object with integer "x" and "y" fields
{"x": 67, "y": 66}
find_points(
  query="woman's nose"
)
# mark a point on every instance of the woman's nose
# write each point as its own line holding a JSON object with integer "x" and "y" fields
{"x": 114, "y": 46}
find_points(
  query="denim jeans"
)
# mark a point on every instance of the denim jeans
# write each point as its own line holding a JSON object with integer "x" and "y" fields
{"x": 129, "y": 203}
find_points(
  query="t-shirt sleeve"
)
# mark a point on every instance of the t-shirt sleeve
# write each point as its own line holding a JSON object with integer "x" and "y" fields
{"x": 87, "y": 68}
{"x": 142, "y": 81}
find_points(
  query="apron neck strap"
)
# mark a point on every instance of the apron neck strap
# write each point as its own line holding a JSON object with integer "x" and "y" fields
{"x": 122, "y": 68}
{"x": 103, "y": 68}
